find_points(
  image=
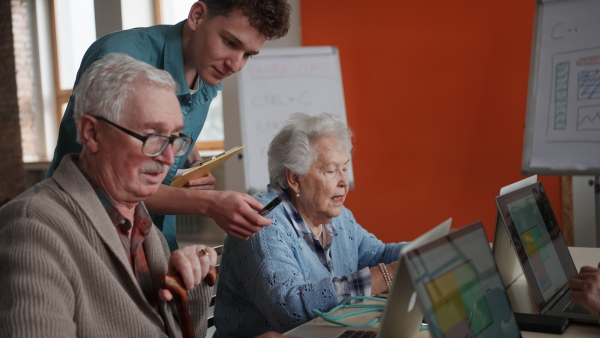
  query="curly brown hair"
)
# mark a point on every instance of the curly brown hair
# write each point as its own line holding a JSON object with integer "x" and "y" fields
{"x": 270, "y": 17}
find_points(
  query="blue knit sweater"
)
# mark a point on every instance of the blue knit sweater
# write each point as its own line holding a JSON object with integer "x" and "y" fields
{"x": 274, "y": 280}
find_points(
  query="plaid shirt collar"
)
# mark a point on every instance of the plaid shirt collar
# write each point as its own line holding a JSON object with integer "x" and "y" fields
{"x": 321, "y": 250}
{"x": 133, "y": 245}
{"x": 356, "y": 284}
{"x": 142, "y": 219}
{"x": 297, "y": 221}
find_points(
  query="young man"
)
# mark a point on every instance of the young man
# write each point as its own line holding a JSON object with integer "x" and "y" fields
{"x": 215, "y": 41}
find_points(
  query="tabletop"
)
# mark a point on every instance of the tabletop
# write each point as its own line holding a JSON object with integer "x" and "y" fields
{"x": 520, "y": 298}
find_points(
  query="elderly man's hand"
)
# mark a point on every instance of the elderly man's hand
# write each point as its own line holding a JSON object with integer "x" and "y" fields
{"x": 191, "y": 264}
{"x": 585, "y": 289}
{"x": 236, "y": 213}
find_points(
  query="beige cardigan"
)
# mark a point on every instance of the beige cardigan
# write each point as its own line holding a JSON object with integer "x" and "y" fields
{"x": 64, "y": 272}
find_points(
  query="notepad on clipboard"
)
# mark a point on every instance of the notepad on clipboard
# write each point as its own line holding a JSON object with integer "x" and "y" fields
{"x": 186, "y": 175}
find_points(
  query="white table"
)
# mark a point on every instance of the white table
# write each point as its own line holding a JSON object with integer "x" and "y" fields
{"x": 520, "y": 298}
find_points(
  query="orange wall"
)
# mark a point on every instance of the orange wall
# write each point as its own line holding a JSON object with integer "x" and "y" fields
{"x": 436, "y": 94}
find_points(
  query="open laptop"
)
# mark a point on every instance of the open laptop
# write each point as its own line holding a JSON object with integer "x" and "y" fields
{"x": 542, "y": 251}
{"x": 401, "y": 317}
{"x": 504, "y": 254}
{"x": 459, "y": 287}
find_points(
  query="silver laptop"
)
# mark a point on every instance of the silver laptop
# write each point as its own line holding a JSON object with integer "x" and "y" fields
{"x": 542, "y": 251}
{"x": 459, "y": 287}
{"x": 506, "y": 260}
{"x": 402, "y": 316}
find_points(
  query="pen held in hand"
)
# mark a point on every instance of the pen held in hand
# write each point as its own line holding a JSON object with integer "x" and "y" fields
{"x": 195, "y": 164}
{"x": 266, "y": 210}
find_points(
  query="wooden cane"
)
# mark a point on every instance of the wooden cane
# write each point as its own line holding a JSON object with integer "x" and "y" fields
{"x": 175, "y": 285}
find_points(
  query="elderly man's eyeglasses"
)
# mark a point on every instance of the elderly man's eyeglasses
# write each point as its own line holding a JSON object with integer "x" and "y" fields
{"x": 154, "y": 145}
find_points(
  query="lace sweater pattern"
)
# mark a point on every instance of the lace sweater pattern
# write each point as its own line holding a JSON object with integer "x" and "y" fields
{"x": 274, "y": 280}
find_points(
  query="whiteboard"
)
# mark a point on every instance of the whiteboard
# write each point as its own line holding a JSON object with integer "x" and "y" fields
{"x": 563, "y": 112}
{"x": 277, "y": 83}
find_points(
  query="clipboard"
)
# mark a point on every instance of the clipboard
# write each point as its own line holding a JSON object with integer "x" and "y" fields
{"x": 204, "y": 169}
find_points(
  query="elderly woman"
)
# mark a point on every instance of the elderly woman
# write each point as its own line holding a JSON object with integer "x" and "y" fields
{"x": 314, "y": 254}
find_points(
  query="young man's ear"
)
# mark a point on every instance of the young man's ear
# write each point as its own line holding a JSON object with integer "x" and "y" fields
{"x": 198, "y": 12}
{"x": 88, "y": 131}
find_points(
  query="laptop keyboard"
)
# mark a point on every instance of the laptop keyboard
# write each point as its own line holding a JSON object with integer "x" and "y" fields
{"x": 357, "y": 334}
{"x": 574, "y": 308}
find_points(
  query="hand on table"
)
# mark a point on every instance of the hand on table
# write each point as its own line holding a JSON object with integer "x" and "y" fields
{"x": 585, "y": 289}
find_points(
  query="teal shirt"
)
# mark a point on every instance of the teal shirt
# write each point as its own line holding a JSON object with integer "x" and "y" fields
{"x": 160, "y": 46}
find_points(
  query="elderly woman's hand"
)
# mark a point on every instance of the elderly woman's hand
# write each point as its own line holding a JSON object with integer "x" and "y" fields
{"x": 192, "y": 263}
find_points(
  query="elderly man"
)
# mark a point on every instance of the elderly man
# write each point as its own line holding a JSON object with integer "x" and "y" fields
{"x": 79, "y": 255}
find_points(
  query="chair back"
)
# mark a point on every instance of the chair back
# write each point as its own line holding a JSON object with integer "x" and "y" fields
{"x": 211, "y": 319}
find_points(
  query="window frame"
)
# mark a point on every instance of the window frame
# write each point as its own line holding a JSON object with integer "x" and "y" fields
{"x": 62, "y": 96}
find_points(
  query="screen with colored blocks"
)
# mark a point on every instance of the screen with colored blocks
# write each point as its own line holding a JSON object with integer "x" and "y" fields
{"x": 459, "y": 287}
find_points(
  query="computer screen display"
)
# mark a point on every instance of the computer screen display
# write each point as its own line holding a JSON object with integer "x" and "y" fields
{"x": 538, "y": 242}
{"x": 459, "y": 288}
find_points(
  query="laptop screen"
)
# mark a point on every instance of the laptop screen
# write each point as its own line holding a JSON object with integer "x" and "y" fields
{"x": 506, "y": 260}
{"x": 538, "y": 242}
{"x": 459, "y": 287}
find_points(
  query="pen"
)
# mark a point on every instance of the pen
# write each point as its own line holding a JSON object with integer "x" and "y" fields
{"x": 275, "y": 202}
{"x": 223, "y": 153}
{"x": 195, "y": 164}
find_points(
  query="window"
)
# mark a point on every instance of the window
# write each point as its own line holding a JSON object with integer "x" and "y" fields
{"x": 212, "y": 135}
{"x": 74, "y": 30}
{"x": 66, "y": 28}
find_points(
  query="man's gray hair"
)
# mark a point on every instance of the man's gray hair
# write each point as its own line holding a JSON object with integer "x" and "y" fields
{"x": 105, "y": 86}
{"x": 292, "y": 147}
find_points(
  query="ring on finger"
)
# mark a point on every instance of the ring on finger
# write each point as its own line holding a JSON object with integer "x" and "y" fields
{"x": 203, "y": 253}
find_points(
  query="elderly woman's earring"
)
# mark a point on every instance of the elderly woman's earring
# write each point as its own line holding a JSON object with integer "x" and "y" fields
{"x": 297, "y": 194}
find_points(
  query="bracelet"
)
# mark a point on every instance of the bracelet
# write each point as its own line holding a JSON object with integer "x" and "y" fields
{"x": 386, "y": 276}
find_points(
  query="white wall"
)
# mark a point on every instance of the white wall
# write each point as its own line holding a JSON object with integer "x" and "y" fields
{"x": 234, "y": 170}
{"x": 137, "y": 13}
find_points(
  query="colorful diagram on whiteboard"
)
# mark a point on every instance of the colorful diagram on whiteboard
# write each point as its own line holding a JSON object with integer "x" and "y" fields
{"x": 575, "y": 104}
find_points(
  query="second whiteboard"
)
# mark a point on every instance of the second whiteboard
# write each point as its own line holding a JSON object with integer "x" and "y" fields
{"x": 277, "y": 83}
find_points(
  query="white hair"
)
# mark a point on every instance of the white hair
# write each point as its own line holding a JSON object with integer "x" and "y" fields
{"x": 292, "y": 147}
{"x": 105, "y": 86}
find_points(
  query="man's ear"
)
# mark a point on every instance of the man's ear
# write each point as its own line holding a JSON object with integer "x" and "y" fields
{"x": 293, "y": 180}
{"x": 198, "y": 13}
{"x": 88, "y": 131}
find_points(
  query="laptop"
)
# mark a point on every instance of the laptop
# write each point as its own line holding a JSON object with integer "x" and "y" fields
{"x": 504, "y": 254}
{"x": 401, "y": 317}
{"x": 542, "y": 251}
{"x": 459, "y": 287}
